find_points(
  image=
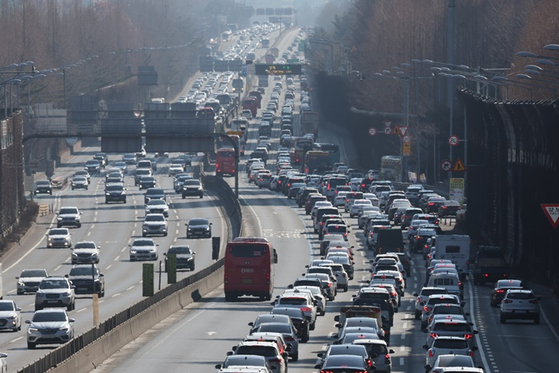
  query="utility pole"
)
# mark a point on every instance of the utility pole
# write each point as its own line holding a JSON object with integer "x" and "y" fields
{"x": 450, "y": 81}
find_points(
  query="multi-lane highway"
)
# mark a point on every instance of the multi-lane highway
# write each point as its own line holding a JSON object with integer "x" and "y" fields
{"x": 113, "y": 227}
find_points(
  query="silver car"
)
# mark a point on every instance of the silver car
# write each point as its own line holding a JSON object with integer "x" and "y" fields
{"x": 51, "y": 326}
{"x": 378, "y": 353}
{"x": 85, "y": 252}
{"x": 59, "y": 237}
{"x": 520, "y": 304}
{"x": 55, "y": 292}
{"x": 29, "y": 279}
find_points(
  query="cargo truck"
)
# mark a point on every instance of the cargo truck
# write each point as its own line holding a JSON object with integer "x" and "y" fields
{"x": 489, "y": 265}
{"x": 309, "y": 123}
{"x": 390, "y": 241}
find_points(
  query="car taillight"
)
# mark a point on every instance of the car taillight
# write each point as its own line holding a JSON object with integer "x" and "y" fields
{"x": 306, "y": 309}
{"x": 444, "y": 207}
{"x": 507, "y": 301}
{"x": 431, "y": 353}
{"x": 329, "y": 285}
{"x": 288, "y": 338}
{"x": 533, "y": 301}
{"x": 468, "y": 336}
{"x": 485, "y": 275}
{"x": 431, "y": 203}
{"x": 369, "y": 363}
{"x": 362, "y": 185}
{"x": 345, "y": 234}
{"x": 394, "y": 294}
{"x": 418, "y": 299}
{"x": 276, "y": 360}
{"x": 387, "y": 359}
{"x": 427, "y": 309}
{"x": 471, "y": 353}
{"x": 434, "y": 335}
{"x": 500, "y": 291}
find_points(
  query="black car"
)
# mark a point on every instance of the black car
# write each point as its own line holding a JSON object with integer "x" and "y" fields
{"x": 102, "y": 158}
{"x": 448, "y": 208}
{"x": 199, "y": 227}
{"x": 154, "y": 193}
{"x": 93, "y": 166}
{"x": 185, "y": 257}
{"x": 147, "y": 182}
{"x": 300, "y": 322}
{"x": 500, "y": 289}
{"x": 87, "y": 279}
{"x": 115, "y": 192}
{"x": 43, "y": 186}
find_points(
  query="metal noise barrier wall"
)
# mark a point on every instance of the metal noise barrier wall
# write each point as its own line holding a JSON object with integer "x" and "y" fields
{"x": 91, "y": 348}
{"x": 513, "y": 168}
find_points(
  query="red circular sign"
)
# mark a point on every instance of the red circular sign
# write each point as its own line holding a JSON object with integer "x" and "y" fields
{"x": 453, "y": 140}
{"x": 446, "y": 165}
{"x": 372, "y": 131}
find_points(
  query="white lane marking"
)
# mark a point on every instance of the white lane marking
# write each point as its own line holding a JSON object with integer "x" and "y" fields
{"x": 478, "y": 340}
{"x": 16, "y": 339}
{"x": 57, "y": 268}
{"x": 88, "y": 234}
{"x": 109, "y": 266}
{"x": 115, "y": 295}
{"x": 403, "y": 336}
{"x": 92, "y": 226}
{"x": 131, "y": 287}
{"x": 81, "y": 310}
{"x": 123, "y": 249}
{"x": 401, "y": 361}
{"x": 402, "y": 348}
{"x": 117, "y": 258}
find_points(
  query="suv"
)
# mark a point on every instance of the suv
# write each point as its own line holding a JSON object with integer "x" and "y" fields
{"x": 43, "y": 186}
{"x": 520, "y": 304}
{"x": 92, "y": 166}
{"x": 192, "y": 187}
{"x": 55, "y": 292}
{"x": 154, "y": 224}
{"x": 29, "y": 280}
{"x": 154, "y": 193}
{"x": 69, "y": 216}
{"x": 276, "y": 359}
{"x": 85, "y": 252}
{"x": 87, "y": 279}
{"x": 115, "y": 192}
{"x": 102, "y": 158}
{"x": 303, "y": 301}
{"x": 423, "y": 296}
{"x": 139, "y": 173}
{"x": 49, "y": 327}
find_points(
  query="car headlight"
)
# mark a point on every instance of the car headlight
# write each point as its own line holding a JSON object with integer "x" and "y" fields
{"x": 66, "y": 294}
{"x": 21, "y": 283}
{"x": 132, "y": 251}
{"x": 74, "y": 254}
{"x": 11, "y": 318}
{"x": 207, "y": 228}
{"x": 107, "y": 193}
{"x": 49, "y": 238}
{"x": 59, "y": 218}
{"x": 64, "y": 329}
{"x": 32, "y": 329}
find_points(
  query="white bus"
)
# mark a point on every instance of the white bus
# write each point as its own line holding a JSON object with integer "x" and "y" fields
{"x": 391, "y": 168}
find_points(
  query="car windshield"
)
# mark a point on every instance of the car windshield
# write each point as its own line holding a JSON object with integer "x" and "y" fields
{"x": 292, "y": 301}
{"x": 85, "y": 245}
{"x": 266, "y": 351}
{"x": 450, "y": 343}
{"x": 447, "y": 310}
{"x": 242, "y": 360}
{"x": 6, "y": 306}
{"x": 33, "y": 273}
{"x": 67, "y": 210}
{"x": 156, "y": 202}
{"x": 515, "y": 295}
{"x": 155, "y": 192}
{"x": 451, "y": 327}
{"x": 198, "y": 222}
{"x": 80, "y": 179}
{"x": 179, "y": 250}
{"x": 191, "y": 182}
{"x": 155, "y": 218}
{"x": 114, "y": 187}
{"x": 43, "y": 183}
{"x": 49, "y": 316}
{"x": 143, "y": 243}
{"x": 55, "y": 232}
{"x": 54, "y": 284}
{"x": 81, "y": 271}
{"x": 275, "y": 327}
{"x": 375, "y": 350}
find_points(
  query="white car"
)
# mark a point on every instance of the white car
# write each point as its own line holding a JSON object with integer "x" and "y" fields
{"x": 154, "y": 224}
{"x": 143, "y": 249}
{"x": 59, "y": 237}
{"x": 10, "y": 313}
{"x": 175, "y": 169}
{"x": 319, "y": 204}
{"x": 339, "y": 200}
{"x": 85, "y": 252}
{"x": 520, "y": 304}
{"x": 157, "y": 206}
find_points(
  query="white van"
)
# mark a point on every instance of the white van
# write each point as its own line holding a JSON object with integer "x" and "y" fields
{"x": 456, "y": 248}
{"x": 450, "y": 281}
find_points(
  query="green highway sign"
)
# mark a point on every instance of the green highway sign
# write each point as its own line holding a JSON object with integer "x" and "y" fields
{"x": 278, "y": 69}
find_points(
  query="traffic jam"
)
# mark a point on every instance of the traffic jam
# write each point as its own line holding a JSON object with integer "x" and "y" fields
{"x": 356, "y": 216}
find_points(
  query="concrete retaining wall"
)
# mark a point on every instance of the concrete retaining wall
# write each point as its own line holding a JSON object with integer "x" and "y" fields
{"x": 104, "y": 347}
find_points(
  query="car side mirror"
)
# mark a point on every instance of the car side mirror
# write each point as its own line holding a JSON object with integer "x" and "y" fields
{"x": 18, "y": 308}
{"x": 28, "y": 321}
{"x": 415, "y": 294}
{"x": 72, "y": 320}
{"x": 390, "y": 351}
{"x": 425, "y": 347}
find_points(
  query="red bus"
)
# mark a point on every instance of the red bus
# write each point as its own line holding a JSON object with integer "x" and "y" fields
{"x": 225, "y": 162}
{"x": 249, "y": 268}
{"x": 251, "y": 103}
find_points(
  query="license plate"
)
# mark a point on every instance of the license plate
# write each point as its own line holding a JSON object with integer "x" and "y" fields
{"x": 247, "y": 281}
{"x": 82, "y": 288}
{"x": 52, "y": 301}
